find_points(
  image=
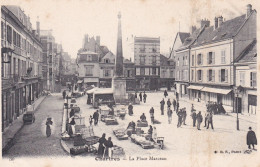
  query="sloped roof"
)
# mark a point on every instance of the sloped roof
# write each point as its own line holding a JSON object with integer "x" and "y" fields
{"x": 249, "y": 54}
{"x": 164, "y": 60}
{"x": 183, "y": 36}
{"x": 228, "y": 29}
{"x": 126, "y": 61}
{"x": 190, "y": 39}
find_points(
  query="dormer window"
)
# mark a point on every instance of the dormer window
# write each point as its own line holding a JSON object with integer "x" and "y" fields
{"x": 106, "y": 61}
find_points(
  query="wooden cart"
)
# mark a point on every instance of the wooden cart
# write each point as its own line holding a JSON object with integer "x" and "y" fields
{"x": 120, "y": 134}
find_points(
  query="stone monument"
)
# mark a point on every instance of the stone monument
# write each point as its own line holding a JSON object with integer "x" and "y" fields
{"x": 119, "y": 82}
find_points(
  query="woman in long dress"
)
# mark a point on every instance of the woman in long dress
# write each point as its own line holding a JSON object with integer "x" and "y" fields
{"x": 48, "y": 127}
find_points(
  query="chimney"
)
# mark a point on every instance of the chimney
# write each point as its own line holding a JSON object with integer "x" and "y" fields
{"x": 216, "y": 23}
{"x": 193, "y": 29}
{"x": 38, "y": 26}
{"x": 204, "y": 22}
{"x": 98, "y": 40}
{"x": 248, "y": 10}
{"x": 220, "y": 21}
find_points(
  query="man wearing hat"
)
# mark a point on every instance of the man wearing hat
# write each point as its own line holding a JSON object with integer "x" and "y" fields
{"x": 251, "y": 138}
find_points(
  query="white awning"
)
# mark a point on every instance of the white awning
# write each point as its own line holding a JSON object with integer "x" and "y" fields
{"x": 216, "y": 90}
{"x": 80, "y": 81}
{"x": 195, "y": 87}
{"x": 252, "y": 92}
{"x": 86, "y": 80}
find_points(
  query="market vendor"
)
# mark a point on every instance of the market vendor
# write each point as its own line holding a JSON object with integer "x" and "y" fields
{"x": 130, "y": 109}
{"x": 101, "y": 147}
{"x": 108, "y": 145}
{"x": 143, "y": 118}
{"x": 131, "y": 125}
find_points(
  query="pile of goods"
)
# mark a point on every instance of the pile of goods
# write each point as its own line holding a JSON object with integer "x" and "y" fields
{"x": 142, "y": 123}
{"x": 65, "y": 136}
{"x": 83, "y": 149}
{"x": 117, "y": 152}
{"x": 120, "y": 134}
{"x": 141, "y": 140}
{"x": 111, "y": 121}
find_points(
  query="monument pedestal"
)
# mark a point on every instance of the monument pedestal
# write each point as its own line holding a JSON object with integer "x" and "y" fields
{"x": 119, "y": 90}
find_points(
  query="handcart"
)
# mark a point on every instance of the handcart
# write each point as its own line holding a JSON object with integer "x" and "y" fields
{"x": 140, "y": 140}
{"x": 104, "y": 112}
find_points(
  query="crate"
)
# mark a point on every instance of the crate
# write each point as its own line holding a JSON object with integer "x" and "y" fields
{"x": 78, "y": 150}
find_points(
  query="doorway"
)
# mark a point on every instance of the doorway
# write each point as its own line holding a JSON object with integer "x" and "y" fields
{"x": 219, "y": 98}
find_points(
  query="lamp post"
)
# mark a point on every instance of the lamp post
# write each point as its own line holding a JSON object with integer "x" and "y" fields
{"x": 237, "y": 91}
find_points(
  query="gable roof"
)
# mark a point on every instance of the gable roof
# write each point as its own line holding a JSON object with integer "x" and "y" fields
{"x": 249, "y": 54}
{"x": 164, "y": 61}
{"x": 183, "y": 36}
{"x": 191, "y": 39}
{"x": 227, "y": 30}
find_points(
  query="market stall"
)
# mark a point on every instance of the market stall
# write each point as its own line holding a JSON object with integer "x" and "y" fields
{"x": 103, "y": 96}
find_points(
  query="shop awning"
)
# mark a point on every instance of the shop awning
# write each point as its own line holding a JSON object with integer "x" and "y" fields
{"x": 216, "y": 90}
{"x": 195, "y": 87}
{"x": 80, "y": 81}
{"x": 86, "y": 80}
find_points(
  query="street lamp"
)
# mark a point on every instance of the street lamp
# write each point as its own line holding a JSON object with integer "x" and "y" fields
{"x": 237, "y": 91}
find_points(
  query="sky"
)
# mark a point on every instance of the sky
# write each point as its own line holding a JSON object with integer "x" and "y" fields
{"x": 71, "y": 19}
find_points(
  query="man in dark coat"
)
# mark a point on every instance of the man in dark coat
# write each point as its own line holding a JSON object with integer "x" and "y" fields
{"x": 145, "y": 96}
{"x": 251, "y": 138}
{"x": 169, "y": 103}
{"x": 130, "y": 109}
{"x": 174, "y": 104}
{"x": 177, "y": 106}
{"x": 162, "y": 106}
{"x": 199, "y": 120}
{"x": 206, "y": 119}
{"x": 101, "y": 147}
{"x": 165, "y": 93}
{"x": 64, "y": 94}
{"x": 179, "y": 114}
{"x": 140, "y": 96}
{"x": 108, "y": 145}
{"x": 152, "y": 115}
{"x": 194, "y": 117}
{"x": 95, "y": 117}
{"x": 210, "y": 120}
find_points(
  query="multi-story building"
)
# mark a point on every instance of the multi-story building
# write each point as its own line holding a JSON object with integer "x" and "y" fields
{"x": 246, "y": 76}
{"x": 21, "y": 57}
{"x": 167, "y": 72}
{"x": 129, "y": 74}
{"x": 147, "y": 62}
{"x": 212, "y": 56}
{"x": 48, "y": 43}
{"x": 106, "y": 66}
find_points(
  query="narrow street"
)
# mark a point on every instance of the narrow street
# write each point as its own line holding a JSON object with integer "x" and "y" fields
{"x": 32, "y": 140}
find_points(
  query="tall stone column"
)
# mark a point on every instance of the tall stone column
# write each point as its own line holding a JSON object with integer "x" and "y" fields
{"x": 119, "y": 82}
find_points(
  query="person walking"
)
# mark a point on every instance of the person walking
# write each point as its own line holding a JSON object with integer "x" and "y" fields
{"x": 145, "y": 96}
{"x": 130, "y": 109}
{"x": 95, "y": 116}
{"x": 101, "y": 147}
{"x": 174, "y": 104}
{"x": 165, "y": 93}
{"x": 251, "y": 138}
{"x": 210, "y": 120}
{"x": 194, "y": 117}
{"x": 184, "y": 115}
{"x": 169, "y": 113}
{"x": 162, "y": 103}
{"x": 48, "y": 127}
{"x": 199, "y": 120}
{"x": 179, "y": 114}
{"x": 140, "y": 96}
{"x": 152, "y": 115}
{"x": 108, "y": 146}
{"x": 64, "y": 94}
{"x": 169, "y": 103}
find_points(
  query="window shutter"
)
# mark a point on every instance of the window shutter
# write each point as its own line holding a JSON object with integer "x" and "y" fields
{"x": 208, "y": 58}
{"x": 219, "y": 75}
{"x": 201, "y": 75}
{"x": 213, "y": 57}
{"x": 213, "y": 75}
{"x": 226, "y": 75}
{"x": 207, "y": 75}
{"x": 251, "y": 79}
{"x": 201, "y": 59}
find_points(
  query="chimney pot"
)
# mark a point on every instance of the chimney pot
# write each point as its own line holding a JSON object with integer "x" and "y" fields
{"x": 220, "y": 21}
{"x": 216, "y": 23}
{"x": 205, "y": 22}
{"x": 248, "y": 10}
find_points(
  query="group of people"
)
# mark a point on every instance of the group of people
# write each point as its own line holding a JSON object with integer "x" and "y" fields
{"x": 104, "y": 147}
{"x": 142, "y": 97}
